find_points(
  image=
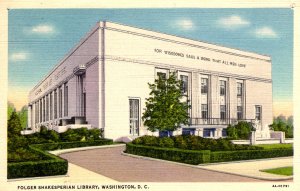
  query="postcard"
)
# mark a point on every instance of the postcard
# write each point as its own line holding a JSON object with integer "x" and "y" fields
{"x": 138, "y": 96}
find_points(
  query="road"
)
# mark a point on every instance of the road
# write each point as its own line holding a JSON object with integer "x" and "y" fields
{"x": 111, "y": 163}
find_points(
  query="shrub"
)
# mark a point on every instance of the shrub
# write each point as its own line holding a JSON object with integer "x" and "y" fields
{"x": 223, "y": 156}
{"x": 138, "y": 141}
{"x": 94, "y": 134}
{"x": 43, "y": 131}
{"x": 241, "y": 130}
{"x": 67, "y": 145}
{"x": 192, "y": 142}
{"x": 71, "y": 135}
{"x": 282, "y": 125}
{"x": 179, "y": 142}
{"x": 42, "y": 163}
{"x": 205, "y": 156}
{"x": 166, "y": 142}
{"x": 53, "y": 136}
{"x": 150, "y": 140}
{"x": 50, "y": 165}
{"x": 16, "y": 142}
{"x": 231, "y": 132}
{"x": 172, "y": 154}
{"x": 22, "y": 154}
{"x": 37, "y": 168}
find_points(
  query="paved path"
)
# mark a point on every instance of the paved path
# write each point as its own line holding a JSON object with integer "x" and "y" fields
{"x": 252, "y": 168}
{"x": 111, "y": 163}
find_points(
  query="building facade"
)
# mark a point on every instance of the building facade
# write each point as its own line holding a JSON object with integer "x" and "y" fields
{"x": 103, "y": 83}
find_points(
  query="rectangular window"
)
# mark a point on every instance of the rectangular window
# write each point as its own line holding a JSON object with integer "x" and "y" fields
{"x": 222, "y": 87}
{"x": 258, "y": 112}
{"x": 239, "y": 112}
{"x": 36, "y": 112}
{"x": 66, "y": 101}
{"x": 60, "y": 102}
{"x": 55, "y": 104}
{"x": 47, "y": 107}
{"x": 51, "y": 106}
{"x": 184, "y": 86}
{"x": 134, "y": 116}
{"x": 204, "y": 111}
{"x": 239, "y": 89}
{"x": 204, "y": 87}
{"x": 162, "y": 75}
{"x": 223, "y": 112}
{"x": 44, "y": 110}
{"x": 41, "y": 111}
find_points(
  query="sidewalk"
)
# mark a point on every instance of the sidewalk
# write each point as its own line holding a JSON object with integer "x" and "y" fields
{"x": 252, "y": 168}
{"x": 76, "y": 174}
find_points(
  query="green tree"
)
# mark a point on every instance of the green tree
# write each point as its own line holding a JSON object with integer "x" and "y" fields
{"x": 14, "y": 125}
{"x": 164, "y": 109}
{"x": 241, "y": 130}
{"x": 281, "y": 124}
{"x": 23, "y": 116}
{"x": 10, "y": 109}
{"x": 231, "y": 132}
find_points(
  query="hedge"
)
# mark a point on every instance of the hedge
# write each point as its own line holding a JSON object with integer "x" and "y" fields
{"x": 204, "y": 156}
{"x": 172, "y": 154}
{"x": 223, "y": 156}
{"x": 68, "y": 145}
{"x": 53, "y": 165}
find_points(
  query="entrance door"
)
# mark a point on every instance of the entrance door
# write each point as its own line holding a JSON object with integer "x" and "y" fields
{"x": 134, "y": 116}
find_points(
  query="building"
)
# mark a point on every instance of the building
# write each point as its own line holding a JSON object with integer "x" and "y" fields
{"x": 103, "y": 82}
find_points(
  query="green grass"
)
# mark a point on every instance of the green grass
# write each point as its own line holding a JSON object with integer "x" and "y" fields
{"x": 276, "y": 146}
{"x": 287, "y": 171}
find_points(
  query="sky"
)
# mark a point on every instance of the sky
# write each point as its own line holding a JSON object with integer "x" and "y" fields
{"x": 39, "y": 38}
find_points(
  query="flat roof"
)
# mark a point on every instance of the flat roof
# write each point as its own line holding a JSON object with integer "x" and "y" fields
{"x": 147, "y": 32}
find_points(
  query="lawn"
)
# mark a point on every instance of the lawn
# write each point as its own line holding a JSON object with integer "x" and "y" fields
{"x": 287, "y": 171}
{"x": 276, "y": 146}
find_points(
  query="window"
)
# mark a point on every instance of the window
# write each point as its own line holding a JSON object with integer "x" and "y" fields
{"x": 55, "y": 104}
{"x": 134, "y": 117}
{"x": 60, "y": 102}
{"x": 184, "y": 86}
{"x": 66, "y": 101}
{"x": 239, "y": 89}
{"x": 223, "y": 111}
{"x": 44, "y": 110}
{"x": 36, "y": 112}
{"x": 162, "y": 75}
{"x": 258, "y": 112}
{"x": 51, "y": 106}
{"x": 204, "y": 88}
{"x": 188, "y": 131}
{"x": 47, "y": 108}
{"x": 41, "y": 111}
{"x": 204, "y": 111}
{"x": 239, "y": 112}
{"x": 222, "y": 87}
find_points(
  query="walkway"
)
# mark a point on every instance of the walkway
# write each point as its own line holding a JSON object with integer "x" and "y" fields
{"x": 111, "y": 163}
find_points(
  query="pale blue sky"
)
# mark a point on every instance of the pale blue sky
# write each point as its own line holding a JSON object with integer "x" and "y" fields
{"x": 38, "y": 39}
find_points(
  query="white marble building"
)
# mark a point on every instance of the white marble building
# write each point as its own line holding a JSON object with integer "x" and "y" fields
{"x": 103, "y": 82}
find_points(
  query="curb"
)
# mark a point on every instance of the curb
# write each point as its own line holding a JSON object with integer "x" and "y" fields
{"x": 59, "y": 152}
{"x": 37, "y": 177}
{"x": 201, "y": 167}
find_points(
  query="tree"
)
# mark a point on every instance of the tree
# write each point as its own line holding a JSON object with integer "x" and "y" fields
{"x": 10, "y": 109}
{"x": 281, "y": 124}
{"x": 14, "y": 125}
{"x": 164, "y": 110}
{"x": 241, "y": 130}
{"x": 23, "y": 116}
